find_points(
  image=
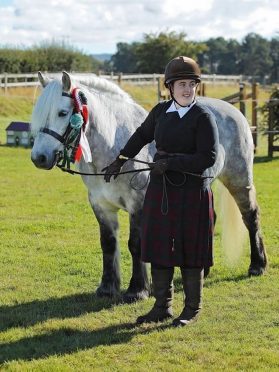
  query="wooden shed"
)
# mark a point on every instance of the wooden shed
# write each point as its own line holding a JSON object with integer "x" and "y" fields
{"x": 19, "y": 134}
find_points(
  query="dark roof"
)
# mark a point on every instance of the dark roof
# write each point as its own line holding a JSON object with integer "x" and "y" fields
{"x": 19, "y": 126}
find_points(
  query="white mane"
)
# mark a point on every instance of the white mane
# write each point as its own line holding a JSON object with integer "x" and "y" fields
{"x": 103, "y": 86}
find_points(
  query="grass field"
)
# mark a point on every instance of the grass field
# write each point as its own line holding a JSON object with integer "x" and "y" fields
{"x": 50, "y": 266}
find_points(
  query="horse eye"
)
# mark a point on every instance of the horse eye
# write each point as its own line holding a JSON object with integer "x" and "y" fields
{"x": 62, "y": 113}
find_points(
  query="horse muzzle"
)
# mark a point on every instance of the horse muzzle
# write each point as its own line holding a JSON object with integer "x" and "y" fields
{"x": 45, "y": 161}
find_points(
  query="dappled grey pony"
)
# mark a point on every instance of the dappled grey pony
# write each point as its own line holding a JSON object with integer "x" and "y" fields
{"x": 113, "y": 117}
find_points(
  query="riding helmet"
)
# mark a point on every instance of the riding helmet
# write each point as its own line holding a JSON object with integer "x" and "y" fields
{"x": 182, "y": 68}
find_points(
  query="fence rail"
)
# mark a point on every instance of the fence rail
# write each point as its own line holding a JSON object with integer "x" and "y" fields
{"x": 24, "y": 80}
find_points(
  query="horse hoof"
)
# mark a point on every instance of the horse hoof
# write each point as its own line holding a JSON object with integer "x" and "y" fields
{"x": 130, "y": 297}
{"x": 256, "y": 271}
{"x": 108, "y": 291}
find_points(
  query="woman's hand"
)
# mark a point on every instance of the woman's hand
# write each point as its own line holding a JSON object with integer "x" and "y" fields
{"x": 160, "y": 166}
{"x": 113, "y": 169}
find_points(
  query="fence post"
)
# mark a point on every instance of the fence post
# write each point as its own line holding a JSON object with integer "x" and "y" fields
{"x": 120, "y": 78}
{"x": 162, "y": 90}
{"x": 5, "y": 83}
{"x": 242, "y": 97}
{"x": 255, "y": 93}
{"x": 270, "y": 129}
{"x": 203, "y": 91}
{"x": 159, "y": 88}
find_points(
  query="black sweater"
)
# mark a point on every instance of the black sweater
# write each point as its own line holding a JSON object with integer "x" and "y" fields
{"x": 194, "y": 137}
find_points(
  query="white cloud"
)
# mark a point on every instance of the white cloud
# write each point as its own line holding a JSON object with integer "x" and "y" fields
{"x": 97, "y": 25}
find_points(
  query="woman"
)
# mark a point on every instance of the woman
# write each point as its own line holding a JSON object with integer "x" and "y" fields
{"x": 177, "y": 222}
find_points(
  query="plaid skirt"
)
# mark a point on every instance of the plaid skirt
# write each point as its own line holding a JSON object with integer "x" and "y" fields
{"x": 184, "y": 235}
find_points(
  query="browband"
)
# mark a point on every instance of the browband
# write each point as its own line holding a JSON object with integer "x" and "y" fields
{"x": 65, "y": 94}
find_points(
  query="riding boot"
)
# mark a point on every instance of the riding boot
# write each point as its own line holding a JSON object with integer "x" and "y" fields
{"x": 162, "y": 281}
{"x": 192, "y": 280}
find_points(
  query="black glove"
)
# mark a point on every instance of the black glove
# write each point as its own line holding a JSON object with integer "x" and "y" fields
{"x": 114, "y": 167}
{"x": 160, "y": 166}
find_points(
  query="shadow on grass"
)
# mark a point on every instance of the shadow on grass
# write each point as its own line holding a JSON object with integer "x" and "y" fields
{"x": 211, "y": 281}
{"x": 264, "y": 159}
{"x": 31, "y": 313}
{"x": 67, "y": 340}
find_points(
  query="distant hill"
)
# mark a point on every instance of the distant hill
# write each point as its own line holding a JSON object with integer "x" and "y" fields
{"x": 102, "y": 57}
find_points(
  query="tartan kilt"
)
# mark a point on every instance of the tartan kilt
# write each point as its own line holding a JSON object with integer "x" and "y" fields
{"x": 182, "y": 237}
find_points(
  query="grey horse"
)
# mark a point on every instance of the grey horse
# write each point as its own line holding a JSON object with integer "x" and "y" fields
{"x": 113, "y": 117}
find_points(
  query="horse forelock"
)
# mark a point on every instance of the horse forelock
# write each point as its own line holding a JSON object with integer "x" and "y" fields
{"x": 46, "y": 107}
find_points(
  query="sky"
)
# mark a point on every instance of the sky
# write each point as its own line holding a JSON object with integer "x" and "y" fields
{"x": 96, "y": 26}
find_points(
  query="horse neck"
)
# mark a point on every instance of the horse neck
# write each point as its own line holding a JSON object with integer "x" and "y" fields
{"x": 110, "y": 125}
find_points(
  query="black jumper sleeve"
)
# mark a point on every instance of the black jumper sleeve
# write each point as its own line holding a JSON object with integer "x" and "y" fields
{"x": 142, "y": 136}
{"x": 207, "y": 141}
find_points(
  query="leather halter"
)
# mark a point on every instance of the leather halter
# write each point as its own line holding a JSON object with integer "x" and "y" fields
{"x": 64, "y": 137}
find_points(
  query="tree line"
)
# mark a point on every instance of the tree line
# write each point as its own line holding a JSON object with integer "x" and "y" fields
{"x": 254, "y": 56}
{"x": 48, "y": 56}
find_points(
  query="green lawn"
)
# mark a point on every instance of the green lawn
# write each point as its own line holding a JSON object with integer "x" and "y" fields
{"x": 50, "y": 266}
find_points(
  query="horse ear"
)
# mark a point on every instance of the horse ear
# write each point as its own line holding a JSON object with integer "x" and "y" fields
{"x": 66, "y": 81}
{"x": 43, "y": 80}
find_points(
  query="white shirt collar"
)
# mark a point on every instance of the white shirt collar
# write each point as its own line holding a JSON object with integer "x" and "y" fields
{"x": 181, "y": 110}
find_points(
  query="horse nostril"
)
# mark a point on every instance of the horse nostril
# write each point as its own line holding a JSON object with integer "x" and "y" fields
{"x": 41, "y": 160}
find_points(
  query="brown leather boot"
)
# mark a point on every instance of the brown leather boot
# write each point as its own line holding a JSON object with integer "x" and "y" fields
{"x": 192, "y": 280}
{"x": 162, "y": 281}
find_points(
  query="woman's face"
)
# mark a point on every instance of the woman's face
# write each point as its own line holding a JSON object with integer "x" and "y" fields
{"x": 184, "y": 91}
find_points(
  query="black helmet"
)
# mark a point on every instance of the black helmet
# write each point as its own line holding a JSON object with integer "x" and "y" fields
{"x": 182, "y": 68}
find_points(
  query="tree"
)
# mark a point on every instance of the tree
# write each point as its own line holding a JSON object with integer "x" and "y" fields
{"x": 158, "y": 49}
{"x": 152, "y": 55}
{"x": 47, "y": 56}
{"x": 221, "y": 57}
{"x": 10, "y": 60}
{"x": 255, "y": 56}
{"x": 125, "y": 59}
{"x": 274, "y": 55}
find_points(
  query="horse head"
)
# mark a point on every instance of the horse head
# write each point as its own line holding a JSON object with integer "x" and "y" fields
{"x": 50, "y": 121}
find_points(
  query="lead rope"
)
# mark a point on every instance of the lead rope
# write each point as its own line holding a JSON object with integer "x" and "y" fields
{"x": 164, "y": 202}
{"x": 165, "y": 194}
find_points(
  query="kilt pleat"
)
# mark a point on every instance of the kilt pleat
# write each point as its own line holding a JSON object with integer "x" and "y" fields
{"x": 184, "y": 235}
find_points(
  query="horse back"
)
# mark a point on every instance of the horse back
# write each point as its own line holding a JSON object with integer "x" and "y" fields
{"x": 235, "y": 160}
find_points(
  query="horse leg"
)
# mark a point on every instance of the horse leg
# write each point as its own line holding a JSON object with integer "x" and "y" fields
{"x": 139, "y": 286}
{"x": 245, "y": 198}
{"x": 108, "y": 224}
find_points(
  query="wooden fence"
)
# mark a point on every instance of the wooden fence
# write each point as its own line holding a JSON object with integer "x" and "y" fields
{"x": 24, "y": 80}
{"x": 242, "y": 97}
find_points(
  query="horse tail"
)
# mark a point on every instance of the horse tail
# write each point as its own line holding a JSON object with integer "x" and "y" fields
{"x": 233, "y": 230}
